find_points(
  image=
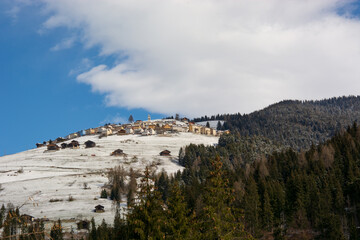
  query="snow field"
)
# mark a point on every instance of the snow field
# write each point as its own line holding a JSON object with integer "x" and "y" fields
{"x": 32, "y": 178}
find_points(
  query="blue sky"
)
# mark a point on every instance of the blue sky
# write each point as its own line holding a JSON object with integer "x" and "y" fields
{"x": 39, "y": 96}
{"x": 73, "y": 64}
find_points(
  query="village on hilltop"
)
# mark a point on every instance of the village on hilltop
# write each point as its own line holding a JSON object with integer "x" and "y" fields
{"x": 139, "y": 127}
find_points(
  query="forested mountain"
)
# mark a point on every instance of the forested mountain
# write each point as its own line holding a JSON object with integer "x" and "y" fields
{"x": 286, "y": 195}
{"x": 296, "y": 124}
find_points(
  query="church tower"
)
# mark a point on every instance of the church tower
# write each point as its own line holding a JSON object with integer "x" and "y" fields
{"x": 149, "y": 118}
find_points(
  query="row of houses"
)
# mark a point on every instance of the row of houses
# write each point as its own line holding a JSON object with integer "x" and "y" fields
{"x": 72, "y": 145}
{"x": 144, "y": 128}
{"x": 149, "y": 127}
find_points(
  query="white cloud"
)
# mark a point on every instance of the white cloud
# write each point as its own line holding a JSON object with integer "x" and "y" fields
{"x": 64, "y": 44}
{"x": 15, "y": 8}
{"x": 204, "y": 57}
{"x": 83, "y": 66}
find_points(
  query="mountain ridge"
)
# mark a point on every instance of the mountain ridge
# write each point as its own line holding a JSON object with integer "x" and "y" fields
{"x": 294, "y": 123}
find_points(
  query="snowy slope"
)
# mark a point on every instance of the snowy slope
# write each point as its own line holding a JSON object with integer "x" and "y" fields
{"x": 46, "y": 175}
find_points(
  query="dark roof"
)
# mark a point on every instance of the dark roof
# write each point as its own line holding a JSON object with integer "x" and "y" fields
{"x": 165, "y": 152}
{"x": 52, "y": 146}
{"x": 74, "y": 143}
{"x": 117, "y": 152}
{"x": 99, "y": 207}
{"x": 89, "y": 143}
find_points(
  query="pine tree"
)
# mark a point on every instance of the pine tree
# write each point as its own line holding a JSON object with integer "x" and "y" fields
{"x": 207, "y": 124}
{"x": 267, "y": 214}
{"x": 11, "y": 223}
{"x": 93, "y": 232}
{"x": 56, "y": 231}
{"x": 163, "y": 185}
{"x": 2, "y": 215}
{"x": 131, "y": 188}
{"x": 331, "y": 228}
{"x": 146, "y": 219}
{"x": 103, "y": 194}
{"x": 7, "y": 224}
{"x": 103, "y": 232}
{"x": 178, "y": 223}
{"x": 131, "y": 119}
{"x": 217, "y": 221}
{"x": 119, "y": 231}
{"x": 218, "y": 127}
{"x": 252, "y": 206}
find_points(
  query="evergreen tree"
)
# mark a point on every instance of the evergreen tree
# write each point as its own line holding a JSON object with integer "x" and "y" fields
{"x": 217, "y": 221}
{"x": 218, "y": 127}
{"x": 103, "y": 232}
{"x": 119, "y": 231}
{"x": 56, "y": 231}
{"x": 146, "y": 218}
{"x": 331, "y": 228}
{"x": 131, "y": 188}
{"x": 207, "y": 124}
{"x": 252, "y": 206}
{"x": 178, "y": 223}
{"x": 7, "y": 224}
{"x": 267, "y": 214}
{"x": 131, "y": 119}
{"x": 162, "y": 185}
{"x": 2, "y": 215}
{"x": 11, "y": 223}
{"x": 93, "y": 231}
{"x": 103, "y": 194}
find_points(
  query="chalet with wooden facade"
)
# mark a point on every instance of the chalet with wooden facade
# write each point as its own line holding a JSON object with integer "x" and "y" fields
{"x": 99, "y": 209}
{"x": 53, "y": 147}
{"x": 118, "y": 153}
{"x": 165, "y": 153}
{"x": 89, "y": 144}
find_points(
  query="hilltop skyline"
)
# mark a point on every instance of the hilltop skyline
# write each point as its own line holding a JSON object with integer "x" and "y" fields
{"x": 70, "y": 65}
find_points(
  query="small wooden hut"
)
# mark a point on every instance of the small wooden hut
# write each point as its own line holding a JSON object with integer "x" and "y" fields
{"x": 165, "y": 153}
{"x": 53, "y": 147}
{"x": 89, "y": 144}
{"x": 117, "y": 152}
{"x": 83, "y": 224}
{"x": 39, "y": 145}
{"x": 99, "y": 209}
{"x": 74, "y": 144}
{"x": 121, "y": 132}
{"x": 60, "y": 139}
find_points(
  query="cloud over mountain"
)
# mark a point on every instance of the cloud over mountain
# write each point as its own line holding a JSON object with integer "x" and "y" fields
{"x": 204, "y": 57}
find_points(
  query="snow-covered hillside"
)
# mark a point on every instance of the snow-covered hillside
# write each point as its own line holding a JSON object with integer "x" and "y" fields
{"x": 41, "y": 181}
